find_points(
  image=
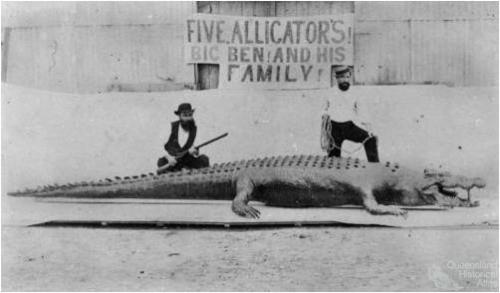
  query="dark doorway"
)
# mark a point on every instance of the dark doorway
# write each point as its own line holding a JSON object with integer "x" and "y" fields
{"x": 207, "y": 76}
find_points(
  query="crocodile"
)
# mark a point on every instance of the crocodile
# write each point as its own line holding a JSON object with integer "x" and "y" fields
{"x": 287, "y": 181}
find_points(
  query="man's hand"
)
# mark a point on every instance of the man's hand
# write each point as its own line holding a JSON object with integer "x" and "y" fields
{"x": 194, "y": 151}
{"x": 171, "y": 160}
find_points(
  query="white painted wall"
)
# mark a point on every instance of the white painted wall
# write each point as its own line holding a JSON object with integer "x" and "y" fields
{"x": 50, "y": 137}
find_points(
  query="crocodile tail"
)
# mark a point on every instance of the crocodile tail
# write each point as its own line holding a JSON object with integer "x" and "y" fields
{"x": 207, "y": 183}
{"x": 81, "y": 188}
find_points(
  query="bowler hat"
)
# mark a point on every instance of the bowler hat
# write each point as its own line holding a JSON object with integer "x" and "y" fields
{"x": 184, "y": 107}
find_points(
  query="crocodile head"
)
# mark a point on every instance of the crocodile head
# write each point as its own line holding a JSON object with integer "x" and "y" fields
{"x": 442, "y": 188}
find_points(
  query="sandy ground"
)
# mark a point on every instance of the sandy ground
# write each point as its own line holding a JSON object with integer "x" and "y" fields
{"x": 319, "y": 259}
{"x": 418, "y": 256}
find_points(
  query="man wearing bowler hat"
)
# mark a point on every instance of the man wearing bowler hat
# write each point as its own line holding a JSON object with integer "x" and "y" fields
{"x": 180, "y": 152}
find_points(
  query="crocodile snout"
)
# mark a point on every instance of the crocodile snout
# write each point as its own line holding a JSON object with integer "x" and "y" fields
{"x": 478, "y": 182}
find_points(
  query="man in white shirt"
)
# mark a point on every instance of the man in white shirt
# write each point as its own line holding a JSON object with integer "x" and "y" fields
{"x": 342, "y": 118}
{"x": 180, "y": 152}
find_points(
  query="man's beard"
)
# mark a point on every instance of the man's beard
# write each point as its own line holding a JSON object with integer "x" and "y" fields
{"x": 344, "y": 86}
{"x": 188, "y": 125}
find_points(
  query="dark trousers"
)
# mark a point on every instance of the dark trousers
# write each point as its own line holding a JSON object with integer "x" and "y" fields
{"x": 350, "y": 131}
{"x": 187, "y": 161}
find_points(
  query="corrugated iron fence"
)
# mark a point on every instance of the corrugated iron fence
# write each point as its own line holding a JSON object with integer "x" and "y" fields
{"x": 101, "y": 46}
{"x": 454, "y": 43}
{"x": 90, "y": 47}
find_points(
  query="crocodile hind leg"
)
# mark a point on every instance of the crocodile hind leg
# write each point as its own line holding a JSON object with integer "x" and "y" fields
{"x": 374, "y": 208}
{"x": 244, "y": 189}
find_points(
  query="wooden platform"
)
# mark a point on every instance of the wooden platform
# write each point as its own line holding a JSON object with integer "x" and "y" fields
{"x": 190, "y": 214}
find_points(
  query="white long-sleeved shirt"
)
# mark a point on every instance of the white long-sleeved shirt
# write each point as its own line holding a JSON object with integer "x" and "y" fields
{"x": 344, "y": 106}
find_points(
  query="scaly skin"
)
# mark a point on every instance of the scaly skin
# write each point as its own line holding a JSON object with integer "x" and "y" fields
{"x": 288, "y": 181}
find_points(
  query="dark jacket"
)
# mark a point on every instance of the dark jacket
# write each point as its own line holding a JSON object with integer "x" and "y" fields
{"x": 172, "y": 146}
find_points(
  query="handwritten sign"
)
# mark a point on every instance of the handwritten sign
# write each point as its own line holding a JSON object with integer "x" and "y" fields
{"x": 270, "y": 52}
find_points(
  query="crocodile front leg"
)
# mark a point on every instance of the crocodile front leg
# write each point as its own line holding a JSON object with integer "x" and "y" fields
{"x": 244, "y": 189}
{"x": 374, "y": 208}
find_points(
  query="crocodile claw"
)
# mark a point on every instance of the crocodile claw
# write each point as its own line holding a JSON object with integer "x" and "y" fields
{"x": 399, "y": 212}
{"x": 245, "y": 211}
{"x": 389, "y": 210}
